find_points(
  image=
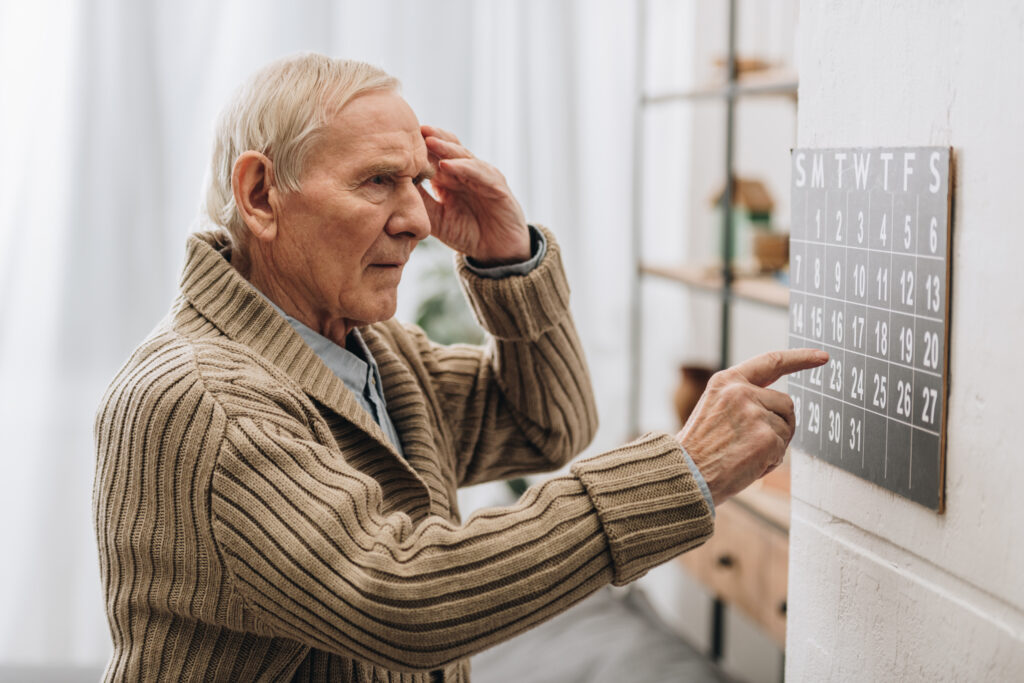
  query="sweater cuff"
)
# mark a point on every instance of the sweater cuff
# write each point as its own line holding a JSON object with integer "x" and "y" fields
{"x": 538, "y": 247}
{"x": 648, "y": 502}
{"x": 520, "y": 307}
{"x": 701, "y": 481}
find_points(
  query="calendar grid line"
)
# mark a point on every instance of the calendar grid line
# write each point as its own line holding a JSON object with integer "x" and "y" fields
{"x": 867, "y": 249}
{"x": 821, "y": 392}
{"x": 913, "y": 386}
{"x": 898, "y": 364}
{"x": 871, "y": 306}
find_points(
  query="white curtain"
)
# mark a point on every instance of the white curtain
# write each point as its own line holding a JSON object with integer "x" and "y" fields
{"x": 106, "y": 109}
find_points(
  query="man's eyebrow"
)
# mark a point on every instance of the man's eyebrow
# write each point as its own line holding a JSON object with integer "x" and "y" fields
{"x": 380, "y": 168}
{"x": 391, "y": 169}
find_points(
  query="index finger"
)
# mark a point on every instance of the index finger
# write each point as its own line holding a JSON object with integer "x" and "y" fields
{"x": 768, "y": 367}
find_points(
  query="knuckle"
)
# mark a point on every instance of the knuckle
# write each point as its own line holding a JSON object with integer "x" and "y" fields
{"x": 788, "y": 405}
{"x": 719, "y": 379}
{"x": 776, "y": 360}
{"x": 751, "y": 412}
{"x": 734, "y": 392}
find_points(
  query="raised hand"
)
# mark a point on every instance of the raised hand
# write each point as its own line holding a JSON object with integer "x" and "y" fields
{"x": 740, "y": 429}
{"x": 474, "y": 212}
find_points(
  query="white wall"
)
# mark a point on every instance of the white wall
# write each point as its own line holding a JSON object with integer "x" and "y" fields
{"x": 880, "y": 588}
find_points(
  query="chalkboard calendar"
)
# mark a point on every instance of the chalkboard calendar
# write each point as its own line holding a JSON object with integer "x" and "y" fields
{"x": 869, "y": 279}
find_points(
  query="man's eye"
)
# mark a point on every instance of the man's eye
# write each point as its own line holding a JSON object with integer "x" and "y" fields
{"x": 379, "y": 180}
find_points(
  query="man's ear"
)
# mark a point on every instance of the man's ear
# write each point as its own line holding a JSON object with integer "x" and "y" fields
{"x": 252, "y": 181}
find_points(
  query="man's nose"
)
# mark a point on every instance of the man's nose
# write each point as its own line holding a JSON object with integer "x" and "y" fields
{"x": 410, "y": 217}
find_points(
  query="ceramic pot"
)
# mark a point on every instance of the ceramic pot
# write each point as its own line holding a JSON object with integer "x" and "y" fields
{"x": 693, "y": 380}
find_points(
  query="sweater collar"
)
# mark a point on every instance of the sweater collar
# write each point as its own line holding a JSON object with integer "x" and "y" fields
{"x": 225, "y": 298}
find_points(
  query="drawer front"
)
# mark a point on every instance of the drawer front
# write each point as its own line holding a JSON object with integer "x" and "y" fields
{"x": 745, "y": 563}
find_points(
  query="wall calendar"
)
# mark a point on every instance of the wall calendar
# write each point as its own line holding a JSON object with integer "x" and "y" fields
{"x": 870, "y": 284}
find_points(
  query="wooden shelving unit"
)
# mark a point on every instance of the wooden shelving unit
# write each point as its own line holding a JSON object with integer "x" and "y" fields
{"x": 771, "y": 82}
{"x": 757, "y": 288}
{"x": 745, "y": 564}
{"x": 728, "y": 280}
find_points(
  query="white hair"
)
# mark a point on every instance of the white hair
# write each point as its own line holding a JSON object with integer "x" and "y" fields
{"x": 280, "y": 112}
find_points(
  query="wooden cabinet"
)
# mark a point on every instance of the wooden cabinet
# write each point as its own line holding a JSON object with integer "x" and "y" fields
{"x": 745, "y": 563}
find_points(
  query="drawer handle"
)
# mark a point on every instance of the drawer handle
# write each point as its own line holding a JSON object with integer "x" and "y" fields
{"x": 726, "y": 561}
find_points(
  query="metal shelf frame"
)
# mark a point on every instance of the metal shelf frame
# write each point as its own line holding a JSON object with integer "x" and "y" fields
{"x": 729, "y": 92}
{"x": 725, "y": 282}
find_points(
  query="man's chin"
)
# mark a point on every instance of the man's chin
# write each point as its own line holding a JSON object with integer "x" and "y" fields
{"x": 383, "y": 309}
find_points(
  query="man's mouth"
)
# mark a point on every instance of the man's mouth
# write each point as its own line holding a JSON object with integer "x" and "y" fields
{"x": 395, "y": 264}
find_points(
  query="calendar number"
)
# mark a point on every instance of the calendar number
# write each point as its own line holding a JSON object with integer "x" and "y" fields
{"x": 856, "y": 441}
{"x": 856, "y": 383}
{"x": 933, "y": 234}
{"x": 906, "y": 232}
{"x": 835, "y": 381}
{"x": 857, "y": 331}
{"x": 931, "y": 398}
{"x": 907, "y": 287}
{"x": 860, "y": 227}
{"x": 837, "y": 327}
{"x": 835, "y": 426}
{"x": 859, "y": 278}
{"x": 906, "y": 345}
{"x": 903, "y": 399}
{"x": 931, "y": 285}
{"x": 881, "y": 338}
{"x": 878, "y": 400}
{"x": 882, "y": 279}
{"x": 813, "y": 417}
{"x": 931, "y": 350}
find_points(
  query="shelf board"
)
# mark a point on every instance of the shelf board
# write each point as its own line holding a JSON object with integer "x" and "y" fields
{"x": 762, "y": 289}
{"x": 758, "y": 84}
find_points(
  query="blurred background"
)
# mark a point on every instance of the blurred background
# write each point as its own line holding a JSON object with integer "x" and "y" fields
{"x": 609, "y": 119}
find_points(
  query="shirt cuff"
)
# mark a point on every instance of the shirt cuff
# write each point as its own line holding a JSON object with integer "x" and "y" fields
{"x": 538, "y": 247}
{"x": 703, "y": 485}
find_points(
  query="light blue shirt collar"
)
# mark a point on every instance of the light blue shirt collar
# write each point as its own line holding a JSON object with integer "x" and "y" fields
{"x": 355, "y": 367}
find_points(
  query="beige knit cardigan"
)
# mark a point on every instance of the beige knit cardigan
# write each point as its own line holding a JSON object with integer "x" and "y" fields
{"x": 255, "y": 524}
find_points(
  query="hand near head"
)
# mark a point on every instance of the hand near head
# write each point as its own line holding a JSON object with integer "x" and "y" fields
{"x": 475, "y": 212}
{"x": 740, "y": 429}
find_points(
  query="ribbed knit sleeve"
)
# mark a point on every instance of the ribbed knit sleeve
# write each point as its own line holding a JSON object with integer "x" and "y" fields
{"x": 525, "y": 402}
{"x": 303, "y": 550}
{"x": 644, "y": 505}
{"x": 317, "y": 561}
{"x": 254, "y": 525}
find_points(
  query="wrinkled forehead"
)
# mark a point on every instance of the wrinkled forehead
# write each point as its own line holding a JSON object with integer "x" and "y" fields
{"x": 380, "y": 127}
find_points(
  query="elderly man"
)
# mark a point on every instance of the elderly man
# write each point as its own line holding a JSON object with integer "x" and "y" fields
{"x": 278, "y": 460}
